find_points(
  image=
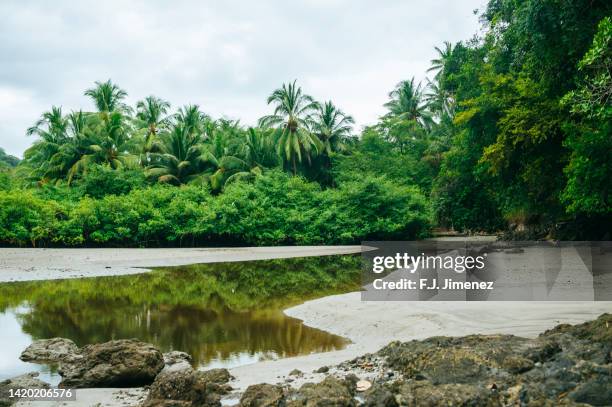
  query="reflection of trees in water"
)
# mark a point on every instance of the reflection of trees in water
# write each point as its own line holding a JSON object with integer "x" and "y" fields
{"x": 208, "y": 311}
{"x": 204, "y": 333}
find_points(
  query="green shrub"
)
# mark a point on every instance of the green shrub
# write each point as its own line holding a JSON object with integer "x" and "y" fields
{"x": 274, "y": 209}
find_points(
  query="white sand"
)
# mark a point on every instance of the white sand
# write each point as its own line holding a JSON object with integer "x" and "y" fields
{"x": 51, "y": 264}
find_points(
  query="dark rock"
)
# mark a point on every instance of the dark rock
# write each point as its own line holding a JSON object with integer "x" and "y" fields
{"x": 517, "y": 364}
{"x": 25, "y": 381}
{"x": 567, "y": 366}
{"x": 119, "y": 363}
{"x": 426, "y": 394}
{"x": 444, "y": 360}
{"x": 599, "y": 330}
{"x": 263, "y": 395}
{"x": 596, "y": 391}
{"x": 330, "y": 392}
{"x": 379, "y": 396}
{"x": 219, "y": 376}
{"x": 52, "y": 350}
{"x": 322, "y": 369}
{"x": 186, "y": 388}
{"x": 296, "y": 372}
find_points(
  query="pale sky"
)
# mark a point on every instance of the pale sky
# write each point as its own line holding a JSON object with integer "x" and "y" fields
{"x": 226, "y": 56}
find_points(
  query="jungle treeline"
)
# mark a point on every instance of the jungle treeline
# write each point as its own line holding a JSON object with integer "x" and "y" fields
{"x": 510, "y": 133}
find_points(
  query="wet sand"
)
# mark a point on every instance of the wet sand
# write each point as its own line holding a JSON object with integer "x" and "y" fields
{"x": 52, "y": 264}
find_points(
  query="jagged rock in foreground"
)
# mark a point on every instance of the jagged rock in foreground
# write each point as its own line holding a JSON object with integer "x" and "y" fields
{"x": 54, "y": 350}
{"x": 119, "y": 363}
{"x": 188, "y": 388}
{"x": 567, "y": 365}
{"x": 25, "y": 381}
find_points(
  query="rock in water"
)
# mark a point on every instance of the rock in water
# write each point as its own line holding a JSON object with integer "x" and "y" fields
{"x": 263, "y": 395}
{"x": 188, "y": 388}
{"x": 26, "y": 381}
{"x": 52, "y": 350}
{"x": 119, "y": 363}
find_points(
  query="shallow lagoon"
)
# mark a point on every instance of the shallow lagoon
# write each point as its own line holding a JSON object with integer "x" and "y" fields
{"x": 223, "y": 314}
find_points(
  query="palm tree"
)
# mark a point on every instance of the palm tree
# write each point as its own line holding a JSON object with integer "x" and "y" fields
{"x": 439, "y": 100}
{"x": 407, "y": 103}
{"x": 51, "y": 129}
{"x": 193, "y": 120}
{"x": 224, "y": 158}
{"x": 258, "y": 148}
{"x": 151, "y": 114}
{"x": 177, "y": 157}
{"x": 107, "y": 97}
{"x": 332, "y": 126}
{"x": 437, "y": 64}
{"x": 291, "y": 118}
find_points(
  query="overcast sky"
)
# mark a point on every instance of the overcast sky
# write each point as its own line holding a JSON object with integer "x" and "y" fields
{"x": 226, "y": 56}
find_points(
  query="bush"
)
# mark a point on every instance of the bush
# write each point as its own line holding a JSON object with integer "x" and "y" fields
{"x": 101, "y": 180}
{"x": 275, "y": 209}
{"x": 26, "y": 219}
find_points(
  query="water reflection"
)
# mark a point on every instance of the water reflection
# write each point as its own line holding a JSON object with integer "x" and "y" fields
{"x": 223, "y": 315}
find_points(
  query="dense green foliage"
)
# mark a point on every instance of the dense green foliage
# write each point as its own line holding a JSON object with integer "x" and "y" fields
{"x": 274, "y": 209}
{"x": 512, "y": 133}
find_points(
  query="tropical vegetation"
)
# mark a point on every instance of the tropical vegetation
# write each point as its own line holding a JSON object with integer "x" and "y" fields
{"x": 511, "y": 133}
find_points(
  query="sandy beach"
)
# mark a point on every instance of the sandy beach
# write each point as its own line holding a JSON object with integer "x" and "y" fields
{"x": 368, "y": 324}
{"x": 52, "y": 264}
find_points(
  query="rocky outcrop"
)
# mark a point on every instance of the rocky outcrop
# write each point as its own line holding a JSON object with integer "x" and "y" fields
{"x": 119, "y": 363}
{"x": 188, "y": 388}
{"x": 54, "y": 350}
{"x": 567, "y": 365}
{"x": 26, "y": 381}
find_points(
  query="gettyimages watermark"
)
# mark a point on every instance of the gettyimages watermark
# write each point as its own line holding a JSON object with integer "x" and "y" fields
{"x": 438, "y": 270}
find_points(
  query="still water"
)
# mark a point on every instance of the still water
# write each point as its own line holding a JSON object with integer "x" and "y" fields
{"x": 224, "y": 314}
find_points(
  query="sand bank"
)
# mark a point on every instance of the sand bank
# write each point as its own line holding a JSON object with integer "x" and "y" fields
{"x": 52, "y": 264}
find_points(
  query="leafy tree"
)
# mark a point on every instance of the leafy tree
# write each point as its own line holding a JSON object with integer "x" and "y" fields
{"x": 332, "y": 126}
{"x": 438, "y": 64}
{"x": 196, "y": 124}
{"x": 407, "y": 104}
{"x": 107, "y": 97}
{"x": 589, "y": 169}
{"x": 151, "y": 115}
{"x": 291, "y": 118}
{"x": 178, "y": 156}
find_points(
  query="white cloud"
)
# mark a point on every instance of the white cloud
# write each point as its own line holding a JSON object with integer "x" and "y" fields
{"x": 225, "y": 56}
